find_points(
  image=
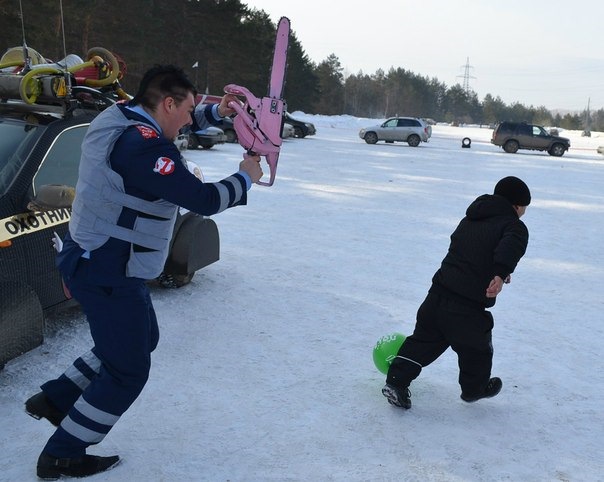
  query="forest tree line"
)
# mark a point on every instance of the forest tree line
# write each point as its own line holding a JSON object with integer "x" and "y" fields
{"x": 231, "y": 43}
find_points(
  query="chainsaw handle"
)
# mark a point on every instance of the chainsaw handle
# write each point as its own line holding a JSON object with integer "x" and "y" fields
{"x": 269, "y": 183}
{"x": 240, "y": 91}
{"x": 239, "y": 110}
{"x": 237, "y": 90}
{"x": 271, "y": 160}
{"x": 272, "y": 164}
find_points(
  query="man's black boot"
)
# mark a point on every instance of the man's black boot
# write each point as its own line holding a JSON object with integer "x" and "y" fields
{"x": 52, "y": 468}
{"x": 492, "y": 389}
{"x": 39, "y": 407}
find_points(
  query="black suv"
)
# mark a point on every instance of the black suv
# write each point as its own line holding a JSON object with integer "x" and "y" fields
{"x": 520, "y": 135}
{"x": 40, "y": 147}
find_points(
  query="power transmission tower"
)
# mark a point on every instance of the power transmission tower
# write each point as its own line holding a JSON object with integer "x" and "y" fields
{"x": 466, "y": 76}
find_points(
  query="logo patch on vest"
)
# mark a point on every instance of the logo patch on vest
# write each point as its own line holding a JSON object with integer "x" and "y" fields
{"x": 147, "y": 132}
{"x": 164, "y": 166}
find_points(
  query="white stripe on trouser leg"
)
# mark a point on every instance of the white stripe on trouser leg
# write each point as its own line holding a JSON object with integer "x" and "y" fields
{"x": 81, "y": 433}
{"x": 94, "y": 414}
{"x": 77, "y": 377}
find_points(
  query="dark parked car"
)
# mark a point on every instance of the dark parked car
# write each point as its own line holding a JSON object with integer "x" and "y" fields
{"x": 206, "y": 138}
{"x": 301, "y": 128}
{"x": 39, "y": 158}
{"x": 512, "y": 136}
{"x": 229, "y": 130}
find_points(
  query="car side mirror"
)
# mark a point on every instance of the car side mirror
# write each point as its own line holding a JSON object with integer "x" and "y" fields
{"x": 52, "y": 196}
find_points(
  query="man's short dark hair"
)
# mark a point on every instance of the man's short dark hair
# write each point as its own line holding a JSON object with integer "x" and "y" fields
{"x": 163, "y": 81}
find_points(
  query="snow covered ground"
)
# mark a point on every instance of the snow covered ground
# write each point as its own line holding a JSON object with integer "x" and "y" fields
{"x": 264, "y": 371}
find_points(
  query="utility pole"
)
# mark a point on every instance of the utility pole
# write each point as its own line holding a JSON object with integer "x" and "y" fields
{"x": 466, "y": 76}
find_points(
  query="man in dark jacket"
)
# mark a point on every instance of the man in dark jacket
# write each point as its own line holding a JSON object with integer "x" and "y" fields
{"x": 485, "y": 249}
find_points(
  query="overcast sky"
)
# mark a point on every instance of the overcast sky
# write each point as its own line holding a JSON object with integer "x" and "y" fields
{"x": 547, "y": 53}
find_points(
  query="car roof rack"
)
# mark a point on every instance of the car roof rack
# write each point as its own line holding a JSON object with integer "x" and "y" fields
{"x": 63, "y": 86}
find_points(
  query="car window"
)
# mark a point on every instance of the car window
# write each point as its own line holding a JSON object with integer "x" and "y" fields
{"x": 16, "y": 141}
{"x": 539, "y": 131}
{"x": 505, "y": 128}
{"x": 390, "y": 123}
{"x": 60, "y": 165}
{"x": 525, "y": 130}
{"x": 408, "y": 123}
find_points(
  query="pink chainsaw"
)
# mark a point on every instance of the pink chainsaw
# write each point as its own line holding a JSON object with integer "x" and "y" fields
{"x": 258, "y": 122}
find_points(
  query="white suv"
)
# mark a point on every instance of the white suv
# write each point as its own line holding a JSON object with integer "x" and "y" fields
{"x": 402, "y": 129}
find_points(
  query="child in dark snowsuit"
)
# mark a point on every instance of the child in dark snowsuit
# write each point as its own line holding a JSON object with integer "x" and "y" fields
{"x": 485, "y": 249}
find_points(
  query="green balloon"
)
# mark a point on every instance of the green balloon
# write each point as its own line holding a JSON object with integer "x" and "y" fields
{"x": 385, "y": 350}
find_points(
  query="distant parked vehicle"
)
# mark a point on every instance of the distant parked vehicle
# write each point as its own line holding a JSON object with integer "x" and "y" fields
{"x": 512, "y": 136}
{"x": 287, "y": 130}
{"x": 398, "y": 129}
{"x": 206, "y": 138}
{"x": 182, "y": 142}
{"x": 226, "y": 125}
{"x": 301, "y": 128}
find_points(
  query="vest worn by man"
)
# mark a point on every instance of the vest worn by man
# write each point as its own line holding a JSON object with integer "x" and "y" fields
{"x": 100, "y": 198}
